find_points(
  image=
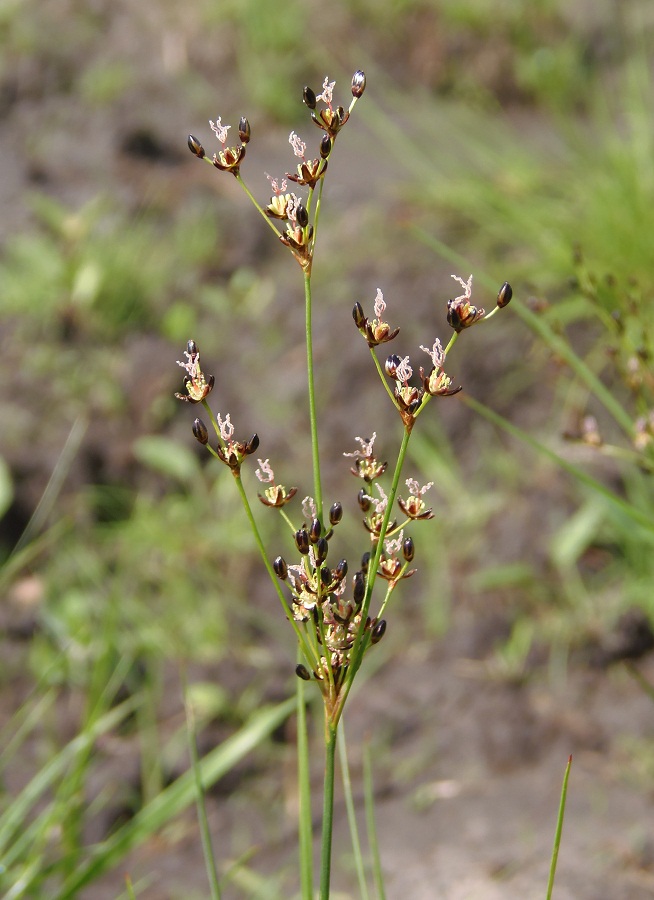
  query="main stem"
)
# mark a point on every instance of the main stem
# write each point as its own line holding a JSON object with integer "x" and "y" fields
{"x": 317, "y": 486}
{"x": 327, "y": 807}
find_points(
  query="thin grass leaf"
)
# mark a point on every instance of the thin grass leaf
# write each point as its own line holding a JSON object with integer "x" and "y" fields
{"x": 559, "y": 829}
{"x": 351, "y": 814}
{"x": 373, "y": 840}
{"x": 14, "y": 818}
{"x": 639, "y": 516}
{"x": 205, "y": 833}
{"x": 176, "y": 798}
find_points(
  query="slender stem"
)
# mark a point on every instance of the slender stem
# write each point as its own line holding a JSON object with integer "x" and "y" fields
{"x": 328, "y": 807}
{"x": 259, "y": 209}
{"x": 313, "y": 420}
{"x": 304, "y": 784}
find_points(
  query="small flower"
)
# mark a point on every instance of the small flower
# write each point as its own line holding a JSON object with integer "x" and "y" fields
{"x": 298, "y": 145}
{"x": 198, "y": 386}
{"x": 403, "y": 371}
{"x": 281, "y": 206}
{"x": 265, "y": 474}
{"x": 275, "y": 186}
{"x": 414, "y": 507}
{"x": 309, "y": 509}
{"x": 436, "y": 353}
{"x": 329, "y": 120}
{"x": 437, "y": 383}
{"x": 226, "y": 427}
{"x": 378, "y": 331}
{"x": 327, "y": 91}
{"x": 366, "y": 451}
{"x": 460, "y": 312}
{"x": 276, "y": 495}
{"x": 220, "y": 130}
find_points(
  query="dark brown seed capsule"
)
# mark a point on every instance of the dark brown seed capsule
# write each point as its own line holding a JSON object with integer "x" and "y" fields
{"x": 321, "y": 550}
{"x": 325, "y": 146}
{"x": 191, "y": 348}
{"x": 408, "y": 549}
{"x": 302, "y": 672}
{"x": 378, "y": 632}
{"x": 358, "y": 316}
{"x": 335, "y": 513}
{"x": 280, "y": 568}
{"x": 195, "y": 147}
{"x": 359, "y": 591}
{"x": 200, "y": 432}
{"x": 358, "y": 83}
{"x": 364, "y": 501}
{"x": 504, "y": 295}
{"x": 309, "y": 98}
{"x": 302, "y": 540}
{"x": 252, "y": 444}
{"x": 315, "y": 530}
{"x": 341, "y": 570}
{"x": 244, "y": 130}
{"x": 326, "y": 576}
{"x": 365, "y": 559}
{"x": 302, "y": 216}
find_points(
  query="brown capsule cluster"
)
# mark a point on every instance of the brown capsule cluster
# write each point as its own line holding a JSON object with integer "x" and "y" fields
{"x": 324, "y": 598}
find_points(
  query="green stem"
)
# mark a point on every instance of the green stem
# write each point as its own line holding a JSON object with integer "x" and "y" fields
{"x": 247, "y": 190}
{"x": 304, "y": 784}
{"x": 313, "y": 420}
{"x": 328, "y": 807}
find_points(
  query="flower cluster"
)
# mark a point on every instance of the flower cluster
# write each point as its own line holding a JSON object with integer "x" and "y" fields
{"x": 228, "y": 450}
{"x": 410, "y": 398}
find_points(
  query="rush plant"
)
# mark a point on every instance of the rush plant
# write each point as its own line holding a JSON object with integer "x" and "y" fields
{"x": 338, "y": 615}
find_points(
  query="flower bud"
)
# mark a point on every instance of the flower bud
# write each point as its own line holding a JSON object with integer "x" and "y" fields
{"x": 335, "y": 513}
{"x": 302, "y": 215}
{"x": 378, "y": 632}
{"x": 200, "y": 432}
{"x": 244, "y": 130}
{"x": 325, "y": 146}
{"x": 326, "y": 576}
{"x": 408, "y": 549}
{"x": 358, "y": 83}
{"x": 358, "y": 316}
{"x": 195, "y": 147}
{"x": 359, "y": 591}
{"x": 302, "y": 540}
{"x": 315, "y": 530}
{"x": 280, "y": 568}
{"x": 363, "y": 500}
{"x": 302, "y": 672}
{"x": 309, "y": 98}
{"x": 252, "y": 445}
{"x": 504, "y": 295}
{"x": 191, "y": 348}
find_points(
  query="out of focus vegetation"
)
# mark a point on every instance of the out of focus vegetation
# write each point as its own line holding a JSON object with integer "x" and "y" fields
{"x": 513, "y": 140}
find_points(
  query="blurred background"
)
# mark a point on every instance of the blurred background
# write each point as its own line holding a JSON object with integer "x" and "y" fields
{"x": 514, "y": 141}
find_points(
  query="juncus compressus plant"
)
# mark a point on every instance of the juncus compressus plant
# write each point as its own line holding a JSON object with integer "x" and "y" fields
{"x": 336, "y": 608}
